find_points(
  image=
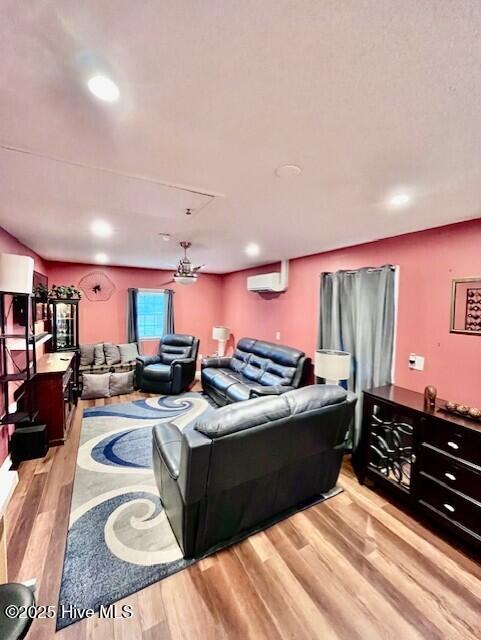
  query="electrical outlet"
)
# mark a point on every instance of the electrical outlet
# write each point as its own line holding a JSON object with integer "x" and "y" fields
{"x": 278, "y": 335}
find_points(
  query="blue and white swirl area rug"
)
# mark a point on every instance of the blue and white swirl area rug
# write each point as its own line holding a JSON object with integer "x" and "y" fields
{"x": 119, "y": 539}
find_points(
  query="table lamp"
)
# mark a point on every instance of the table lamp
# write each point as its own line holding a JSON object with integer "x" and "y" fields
{"x": 331, "y": 365}
{"x": 221, "y": 334}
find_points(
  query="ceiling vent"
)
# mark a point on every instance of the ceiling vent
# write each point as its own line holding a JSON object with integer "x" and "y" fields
{"x": 270, "y": 282}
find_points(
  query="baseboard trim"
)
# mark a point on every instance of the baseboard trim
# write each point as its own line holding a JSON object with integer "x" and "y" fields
{"x": 8, "y": 482}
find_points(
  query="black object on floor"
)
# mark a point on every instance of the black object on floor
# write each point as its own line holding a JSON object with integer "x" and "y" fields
{"x": 13, "y": 597}
{"x": 28, "y": 443}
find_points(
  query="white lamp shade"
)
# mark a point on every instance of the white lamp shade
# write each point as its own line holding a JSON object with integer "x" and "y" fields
{"x": 220, "y": 333}
{"x": 16, "y": 273}
{"x": 332, "y": 365}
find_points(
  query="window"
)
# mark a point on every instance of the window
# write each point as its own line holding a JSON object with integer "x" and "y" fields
{"x": 151, "y": 310}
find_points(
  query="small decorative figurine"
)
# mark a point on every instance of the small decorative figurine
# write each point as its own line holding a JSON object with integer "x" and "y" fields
{"x": 475, "y": 413}
{"x": 462, "y": 409}
{"x": 430, "y": 394}
{"x": 451, "y": 406}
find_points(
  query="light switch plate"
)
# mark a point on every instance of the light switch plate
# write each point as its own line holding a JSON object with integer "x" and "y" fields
{"x": 416, "y": 362}
{"x": 278, "y": 335}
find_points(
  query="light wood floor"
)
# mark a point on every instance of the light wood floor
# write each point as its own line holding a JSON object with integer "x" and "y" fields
{"x": 355, "y": 567}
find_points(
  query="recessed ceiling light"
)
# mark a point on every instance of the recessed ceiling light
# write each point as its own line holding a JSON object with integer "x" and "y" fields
{"x": 101, "y": 258}
{"x": 164, "y": 236}
{"x": 101, "y": 228}
{"x": 288, "y": 171}
{"x": 252, "y": 249}
{"x": 399, "y": 200}
{"x": 103, "y": 88}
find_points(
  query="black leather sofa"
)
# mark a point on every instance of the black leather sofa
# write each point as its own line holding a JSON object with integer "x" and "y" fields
{"x": 257, "y": 368}
{"x": 244, "y": 466}
{"x": 172, "y": 370}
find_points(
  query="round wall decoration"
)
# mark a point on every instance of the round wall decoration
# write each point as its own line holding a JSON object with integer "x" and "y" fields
{"x": 97, "y": 286}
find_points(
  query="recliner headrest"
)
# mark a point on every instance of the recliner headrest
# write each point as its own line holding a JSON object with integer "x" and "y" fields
{"x": 286, "y": 356}
{"x": 177, "y": 340}
{"x": 258, "y": 411}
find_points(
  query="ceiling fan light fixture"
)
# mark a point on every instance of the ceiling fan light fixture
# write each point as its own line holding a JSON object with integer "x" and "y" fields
{"x": 184, "y": 279}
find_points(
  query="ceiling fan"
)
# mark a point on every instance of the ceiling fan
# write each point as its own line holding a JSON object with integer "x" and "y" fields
{"x": 185, "y": 272}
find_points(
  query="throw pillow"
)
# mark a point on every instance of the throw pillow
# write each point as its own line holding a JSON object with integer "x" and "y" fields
{"x": 121, "y": 383}
{"x": 112, "y": 353}
{"x": 95, "y": 385}
{"x": 99, "y": 355}
{"x": 86, "y": 354}
{"x": 128, "y": 352}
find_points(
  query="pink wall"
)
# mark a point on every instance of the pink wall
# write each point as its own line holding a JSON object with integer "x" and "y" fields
{"x": 196, "y": 309}
{"x": 9, "y": 244}
{"x": 428, "y": 261}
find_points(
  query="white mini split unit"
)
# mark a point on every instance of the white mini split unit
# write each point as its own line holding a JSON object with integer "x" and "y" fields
{"x": 270, "y": 282}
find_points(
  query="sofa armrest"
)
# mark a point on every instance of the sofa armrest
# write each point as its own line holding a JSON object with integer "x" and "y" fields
{"x": 183, "y": 374}
{"x": 146, "y": 360}
{"x": 259, "y": 390}
{"x": 183, "y": 361}
{"x": 216, "y": 361}
{"x": 167, "y": 440}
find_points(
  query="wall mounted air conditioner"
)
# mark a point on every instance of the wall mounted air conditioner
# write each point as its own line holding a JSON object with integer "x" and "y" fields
{"x": 270, "y": 282}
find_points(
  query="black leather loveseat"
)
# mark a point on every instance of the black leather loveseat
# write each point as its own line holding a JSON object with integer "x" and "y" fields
{"x": 246, "y": 465}
{"x": 257, "y": 368}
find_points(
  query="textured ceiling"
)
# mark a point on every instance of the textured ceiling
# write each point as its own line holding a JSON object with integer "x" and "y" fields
{"x": 367, "y": 96}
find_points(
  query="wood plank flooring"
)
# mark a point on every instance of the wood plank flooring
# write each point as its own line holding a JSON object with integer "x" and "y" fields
{"x": 356, "y": 567}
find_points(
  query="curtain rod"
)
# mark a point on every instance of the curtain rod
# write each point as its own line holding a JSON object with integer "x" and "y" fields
{"x": 159, "y": 290}
{"x": 354, "y": 271}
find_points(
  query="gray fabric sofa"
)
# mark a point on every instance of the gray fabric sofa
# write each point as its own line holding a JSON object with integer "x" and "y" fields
{"x": 246, "y": 465}
{"x": 102, "y": 357}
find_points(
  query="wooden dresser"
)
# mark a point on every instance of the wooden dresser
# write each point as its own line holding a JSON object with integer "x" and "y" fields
{"x": 55, "y": 393}
{"x": 431, "y": 459}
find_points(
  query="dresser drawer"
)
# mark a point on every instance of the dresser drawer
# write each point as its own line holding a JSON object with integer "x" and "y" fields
{"x": 449, "y": 504}
{"x": 458, "y": 442}
{"x": 454, "y": 474}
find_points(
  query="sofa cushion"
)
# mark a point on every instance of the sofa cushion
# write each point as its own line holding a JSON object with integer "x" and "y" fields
{"x": 161, "y": 372}
{"x": 128, "y": 352}
{"x": 112, "y": 353}
{"x": 170, "y": 353}
{"x": 314, "y": 397}
{"x": 242, "y": 354}
{"x": 99, "y": 354}
{"x": 286, "y": 356}
{"x": 95, "y": 385}
{"x": 122, "y": 382}
{"x": 238, "y": 392}
{"x": 86, "y": 354}
{"x": 223, "y": 381}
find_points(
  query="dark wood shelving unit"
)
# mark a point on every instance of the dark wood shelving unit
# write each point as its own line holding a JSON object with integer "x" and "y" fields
{"x": 24, "y": 350}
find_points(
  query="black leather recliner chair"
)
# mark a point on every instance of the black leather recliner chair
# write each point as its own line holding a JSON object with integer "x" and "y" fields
{"x": 172, "y": 370}
{"x": 257, "y": 368}
{"x": 244, "y": 466}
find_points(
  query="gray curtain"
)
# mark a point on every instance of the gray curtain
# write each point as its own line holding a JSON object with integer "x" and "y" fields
{"x": 169, "y": 312}
{"x": 357, "y": 314}
{"x": 132, "y": 332}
